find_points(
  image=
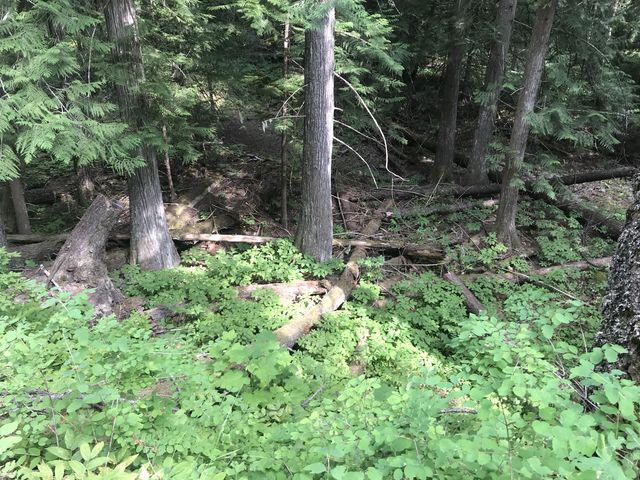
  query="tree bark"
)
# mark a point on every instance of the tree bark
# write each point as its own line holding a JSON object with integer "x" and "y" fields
{"x": 23, "y": 225}
{"x": 151, "y": 244}
{"x": 443, "y": 165}
{"x": 284, "y": 139}
{"x": 315, "y": 228}
{"x": 3, "y": 233}
{"x": 621, "y": 306}
{"x": 86, "y": 187}
{"x": 477, "y": 169}
{"x": 80, "y": 264}
{"x": 538, "y": 45}
{"x": 473, "y": 304}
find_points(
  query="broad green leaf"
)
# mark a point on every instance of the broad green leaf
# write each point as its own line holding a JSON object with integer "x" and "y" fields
{"x": 60, "y": 452}
{"x": 316, "y": 468}
{"x": 9, "y": 428}
{"x": 7, "y": 442}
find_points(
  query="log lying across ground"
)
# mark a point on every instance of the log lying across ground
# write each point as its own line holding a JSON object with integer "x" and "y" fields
{"x": 473, "y": 304}
{"x": 428, "y": 252}
{"x": 491, "y": 188}
{"x": 288, "y": 291}
{"x": 516, "y": 277}
{"x": 289, "y": 334}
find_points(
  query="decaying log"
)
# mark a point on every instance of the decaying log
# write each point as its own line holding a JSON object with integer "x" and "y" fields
{"x": 443, "y": 209}
{"x": 569, "y": 203}
{"x": 36, "y": 252}
{"x": 348, "y": 210}
{"x": 473, "y": 304}
{"x": 288, "y": 291}
{"x": 491, "y": 188}
{"x": 290, "y": 333}
{"x": 516, "y": 277}
{"x": 80, "y": 264}
{"x": 621, "y": 305}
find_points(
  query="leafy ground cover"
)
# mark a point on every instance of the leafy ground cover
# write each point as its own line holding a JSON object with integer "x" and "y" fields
{"x": 395, "y": 385}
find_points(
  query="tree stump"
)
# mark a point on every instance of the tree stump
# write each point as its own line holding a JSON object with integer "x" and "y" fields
{"x": 80, "y": 264}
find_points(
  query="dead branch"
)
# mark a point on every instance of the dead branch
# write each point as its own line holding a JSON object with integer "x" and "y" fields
{"x": 473, "y": 304}
{"x": 289, "y": 334}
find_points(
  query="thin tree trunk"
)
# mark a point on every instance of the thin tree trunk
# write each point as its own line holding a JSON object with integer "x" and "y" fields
{"x": 506, "y": 219}
{"x": 151, "y": 244}
{"x": 167, "y": 165}
{"x": 477, "y": 169}
{"x": 284, "y": 145}
{"x": 23, "y": 225}
{"x": 443, "y": 165}
{"x": 315, "y": 229}
{"x": 621, "y": 306}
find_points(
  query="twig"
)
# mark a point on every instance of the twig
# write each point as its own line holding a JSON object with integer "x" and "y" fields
{"x": 314, "y": 395}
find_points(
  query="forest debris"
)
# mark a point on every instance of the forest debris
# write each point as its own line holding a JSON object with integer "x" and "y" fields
{"x": 288, "y": 291}
{"x": 516, "y": 277}
{"x": 443, "y": 209}
{"x": 290, "y": 333}
{"x": 473, "y": 304}
{"x": 80, "y": 264}
{"x": 348, "y": 210}
{"x": 36, "y": 252}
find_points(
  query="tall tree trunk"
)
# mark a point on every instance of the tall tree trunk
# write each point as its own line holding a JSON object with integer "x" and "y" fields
{"x": 23, "y": 225}
{"x": 315, "y": 229}
{"x": 449, "y": 100}
{"x": 506, "y": 219}
{"x": 151, "y": 244}
{"x": 477, "y": 169}
{"x": 6, "y": 208}
{"x": 3, "y": 234}
{"x": 621, "y": 306}
{"x": 284, "y": 141}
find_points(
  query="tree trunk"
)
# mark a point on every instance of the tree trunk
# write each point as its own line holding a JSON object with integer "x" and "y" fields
{"x": 167, "y": 165}
{"x": 80, "y": 264}
{"x": 3, "y": 234}
{"x": 6, "y": 208}
{"x": 621, "y": 306}
{"x": 449, "y": 101}
{"x": 506, "y": 219}
{"x": 477, "y": 169}
{"x": 284, "y": 140}
{"x": 86, "y": 187}
{"x": 315, "y": 229}
{"x": 151, "y": 244}
{"x": 23, "y": 225}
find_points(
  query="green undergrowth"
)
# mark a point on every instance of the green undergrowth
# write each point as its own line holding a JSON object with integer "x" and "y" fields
{"x": 405, "y": 386}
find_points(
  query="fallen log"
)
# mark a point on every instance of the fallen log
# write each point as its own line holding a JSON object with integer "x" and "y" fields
{"x": 425, "y": 251}
{"x": 473, "y": 304}
{"x": 491, "y": 188}
{"x": 516, "y": 277}
{"x": 288, "y": 291}
{"x": 290, "y": 333}
{"x": 80, "y": 264}
{"x": 442, "y": 209}
{"x": 36, "y": 252}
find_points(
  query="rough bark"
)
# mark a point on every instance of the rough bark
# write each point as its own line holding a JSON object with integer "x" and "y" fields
{"x": 477, "y": 169}
{"x": 443, "y": 165}
{"x": 86, "y": 187}
{"x": 3, "y": 234}
{"x": 289, "y": 334}
{"x": 506, "y": 217}
{"x": 284, "y": 139}
{"x": 80, "y": 264}
{"x": 151, "y": 244}
{"x": 36, "y": 252}
{"x": 315, "y": 227}
{"x": 621, "y": 306}
{"x": 23, "y": 225}
{"x": 443, "y": 209}
{"x": 6, "y": 208}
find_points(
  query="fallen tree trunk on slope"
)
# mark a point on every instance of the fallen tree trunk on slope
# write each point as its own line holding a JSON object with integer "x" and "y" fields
{"x": 473, "y": 304}
{"x": 429, "y": 252}
{"x": 36, "y": 252}
{"x": 443, "y": 209}
{"x": 80, "y": 264}
{"x": 289, "y": 334}
{"x": 516, "y": 277}
{"x": 288, "y": 291}
{"x": 491, "y": 188}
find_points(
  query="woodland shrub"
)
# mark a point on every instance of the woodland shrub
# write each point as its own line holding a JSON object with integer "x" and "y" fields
{"x": 442, "y": 395}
